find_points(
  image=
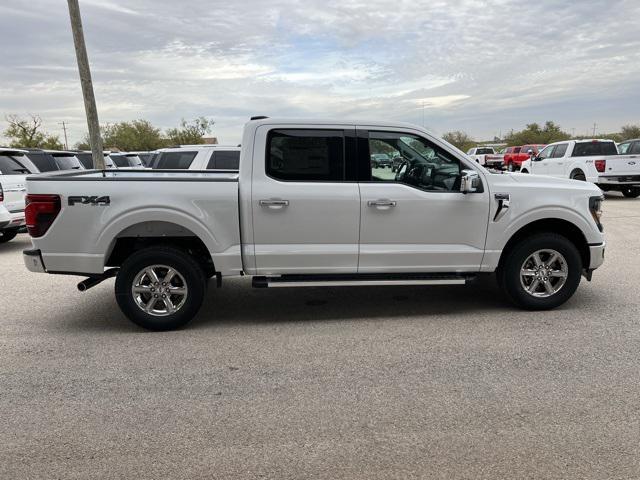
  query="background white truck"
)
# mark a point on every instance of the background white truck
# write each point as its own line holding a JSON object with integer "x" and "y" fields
{"x": 308, "y": 209}
{"x": 595, "y": 161}
{"x": 486, "y": 156}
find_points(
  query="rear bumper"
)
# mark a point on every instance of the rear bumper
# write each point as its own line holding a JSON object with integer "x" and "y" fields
{"x": 596, "y": 255}
{"x": 619, "y": 180}
{"x": 33, "y": 261}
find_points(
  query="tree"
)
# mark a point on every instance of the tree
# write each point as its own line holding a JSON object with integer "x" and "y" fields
{"x": 132, "y": 136}
{"x": 534, "y": 134}
{"x": 28, "y": 133}
{"x": 189, "y": 133}
{"x": 460, "y": 140}
{"x": 630, "y": 132}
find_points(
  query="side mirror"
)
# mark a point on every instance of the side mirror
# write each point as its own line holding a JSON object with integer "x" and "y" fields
{"x": 469, "y": 181}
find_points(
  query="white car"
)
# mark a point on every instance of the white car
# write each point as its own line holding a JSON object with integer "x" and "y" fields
{"x": 307, "y": 209}
{"x": 596, "y": 161}
{"x": 126, "y": 160}
{"x": 486, "y": 156}
{"x": 197, "y": 157}
{"x": 14, "y": 167}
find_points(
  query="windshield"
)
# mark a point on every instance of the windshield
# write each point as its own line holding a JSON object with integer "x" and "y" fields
{"x": 484, "y": 151}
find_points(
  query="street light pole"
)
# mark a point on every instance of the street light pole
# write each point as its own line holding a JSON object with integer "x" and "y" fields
{"x": 87, "y": 86}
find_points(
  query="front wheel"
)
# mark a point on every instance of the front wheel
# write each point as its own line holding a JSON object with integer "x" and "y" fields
{"x": 541, "y": 272}
{"x": 160, "y": 288}
{"x": 631, "y": 192}
{"x": 7, "y": 235}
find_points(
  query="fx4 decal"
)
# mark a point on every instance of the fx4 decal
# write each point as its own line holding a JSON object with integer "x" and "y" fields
{"x": 84, "y": 200}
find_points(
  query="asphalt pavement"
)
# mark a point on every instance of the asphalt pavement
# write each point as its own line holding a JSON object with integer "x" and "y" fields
{"x": 366, "y": 382}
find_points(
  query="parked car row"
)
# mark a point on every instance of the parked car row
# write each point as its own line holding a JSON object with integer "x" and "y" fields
{"x": 16, "y": 164}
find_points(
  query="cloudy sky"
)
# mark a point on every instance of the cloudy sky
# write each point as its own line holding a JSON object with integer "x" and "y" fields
{"x": 482, "y": 67}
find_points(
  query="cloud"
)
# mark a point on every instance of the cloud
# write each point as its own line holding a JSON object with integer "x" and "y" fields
{"x": 467, "y": 65}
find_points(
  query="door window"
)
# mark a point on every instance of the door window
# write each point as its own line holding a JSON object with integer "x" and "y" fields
{"x": 416, "y": 162}
{"x": 306, "y": 155}
{"x": 635, "y": 147}
{"x": 559, "y": 150}
{"x": 547, "y": 152}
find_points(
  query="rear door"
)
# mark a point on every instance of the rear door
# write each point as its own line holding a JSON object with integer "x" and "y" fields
{"x": 416, "y": 219}
{"x": 305, "y": 200}
{"x": 12, "y": 178}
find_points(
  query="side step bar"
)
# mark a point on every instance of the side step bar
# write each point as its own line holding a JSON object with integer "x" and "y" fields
{"x": 360, "y": 280}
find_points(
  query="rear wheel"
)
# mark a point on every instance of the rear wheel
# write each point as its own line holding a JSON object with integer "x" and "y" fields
{"x": 7, "y": 235}
{"x": 541, "y": 272}
{"x": 631, "y": 192}
{"x": 160, "y": 288}
{"x": 510, "y": 167}
{"x": 578, "y": 175}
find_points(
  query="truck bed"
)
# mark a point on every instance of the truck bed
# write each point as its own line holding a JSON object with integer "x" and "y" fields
{"x": 110, "y": 205}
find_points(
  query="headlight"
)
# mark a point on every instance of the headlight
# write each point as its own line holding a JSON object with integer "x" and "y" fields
{"x": 595, "y": 206}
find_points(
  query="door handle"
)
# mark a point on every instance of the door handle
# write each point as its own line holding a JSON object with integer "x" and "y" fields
{"x": 274, "y": 203}
{"x": 382, "y": 203}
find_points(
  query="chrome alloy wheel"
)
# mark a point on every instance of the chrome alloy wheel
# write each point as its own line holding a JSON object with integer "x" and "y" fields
{"x": 544, "y": 273}
{"x": 159, "y": 290}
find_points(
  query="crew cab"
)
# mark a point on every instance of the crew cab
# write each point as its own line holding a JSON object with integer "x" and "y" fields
{"x": 486, "y": 156}
{"x": 14, "y": 167}
{"x": 308, "y": 209}
{"x": 595, "y": 161}
{"x": 197, "y": 157}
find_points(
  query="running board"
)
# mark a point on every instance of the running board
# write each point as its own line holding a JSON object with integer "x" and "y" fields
{"x": 360, "y": 280}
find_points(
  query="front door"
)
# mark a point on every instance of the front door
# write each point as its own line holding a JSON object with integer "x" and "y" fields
{"x": 540, "y": 164}
{"x": 557, "y": 163}
{"x": 415, "y": 219}
{"x": 305, "y": 203}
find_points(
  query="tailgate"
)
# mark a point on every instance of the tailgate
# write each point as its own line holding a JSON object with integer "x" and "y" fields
{"x": 622, "y": 165}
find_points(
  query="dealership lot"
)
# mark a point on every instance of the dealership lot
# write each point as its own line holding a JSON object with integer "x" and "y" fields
{"x": 378, "y": 382}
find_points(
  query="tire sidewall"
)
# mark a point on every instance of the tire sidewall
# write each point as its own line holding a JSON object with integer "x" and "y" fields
{"x": 181, "y": 261}
{"x": 7, "y": 235}
{"x": 517, "y": 256}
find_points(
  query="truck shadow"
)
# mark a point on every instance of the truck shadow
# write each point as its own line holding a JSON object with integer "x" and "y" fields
{"x": 17, "y": 245}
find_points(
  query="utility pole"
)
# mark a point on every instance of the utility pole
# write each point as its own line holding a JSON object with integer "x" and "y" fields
{"x": 64, "y": 129}
{"x": 87, "y": 86}
{"x": 594, "y": 129}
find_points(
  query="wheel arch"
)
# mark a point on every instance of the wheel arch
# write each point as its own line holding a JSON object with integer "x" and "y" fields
{"x": 552, "y": 225}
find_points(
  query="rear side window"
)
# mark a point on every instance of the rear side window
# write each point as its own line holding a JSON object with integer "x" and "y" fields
{"x": 306, "y": 155}
{"x": 224, "y": 160}
{"x": 559, "y": 151}
{"x": 68, "y": 163}
{"x": 44, "y": 162}
{"x": 174, "y": 160}
{"x": 86, "y": 159}
{"x": 635, "y": 148}
{"x": 10, "y": 166}
{"x": 590, "y": 149}
{"x": 484, "y": 151}
{"x": 624, "y": 148}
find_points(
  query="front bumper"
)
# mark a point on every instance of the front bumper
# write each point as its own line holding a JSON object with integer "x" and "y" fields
{"x": 597, "y": 255}
{"x": 33, "y": 261}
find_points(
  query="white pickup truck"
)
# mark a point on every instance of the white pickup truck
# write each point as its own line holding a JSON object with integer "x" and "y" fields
{"x": 595, "y": 161}
{"x": 308, "y": 209}
{"x": 486, "y": 156}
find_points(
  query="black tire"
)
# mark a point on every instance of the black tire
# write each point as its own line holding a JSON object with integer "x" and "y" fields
{"x": 631, "y": 192}
{"x": 578, "y": 175}
{"x": 510, "y": 167}
{"x": 509, "y": 274}
{"x": 7, "y": 235}
{"x": 190, "y": 273}
{"x": 524, "y": 171}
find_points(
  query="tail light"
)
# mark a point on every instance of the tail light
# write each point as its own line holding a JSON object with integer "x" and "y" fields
{"x": 40, "y": 212}
{"x": 601, "y": 165}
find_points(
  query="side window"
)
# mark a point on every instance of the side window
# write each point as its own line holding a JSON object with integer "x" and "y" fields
{"x": 306, "y": 155}
{"x": 10, "y": 166}
{"x": 175, "y": 160}
{"x": 635, "y": 147}
{"x": 224, "y": 160}
{"x": 559, "y": 151}
{"x": 624, "y": 148}
{"x": 416, "y": 162}
{"x": 547, "y": 152}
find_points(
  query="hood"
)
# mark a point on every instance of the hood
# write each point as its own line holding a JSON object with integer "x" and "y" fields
{"x": 554, "y": 182}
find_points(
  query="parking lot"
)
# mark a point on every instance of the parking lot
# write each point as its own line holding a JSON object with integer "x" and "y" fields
{"x": 379, "y": 382}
